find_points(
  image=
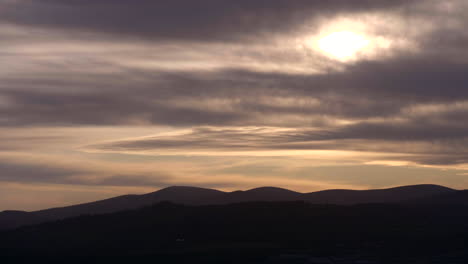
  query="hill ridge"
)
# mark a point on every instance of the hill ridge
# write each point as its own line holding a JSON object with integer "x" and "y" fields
{"x": 189, "y": 195}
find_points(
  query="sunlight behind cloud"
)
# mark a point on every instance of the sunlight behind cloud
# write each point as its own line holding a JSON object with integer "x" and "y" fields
{"x": 343, "y": 45}
{"x": 355, "y": 38}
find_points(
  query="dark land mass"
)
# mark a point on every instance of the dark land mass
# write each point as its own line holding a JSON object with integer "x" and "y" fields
{"x": 431, "y": 229}
{"x": 202, "y": 196}
{"x": 255, "y": 232}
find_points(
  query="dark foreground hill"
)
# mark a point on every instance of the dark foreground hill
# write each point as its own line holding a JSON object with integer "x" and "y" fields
{"x": 255, "y": 232}
{"x": 201, "y": 196}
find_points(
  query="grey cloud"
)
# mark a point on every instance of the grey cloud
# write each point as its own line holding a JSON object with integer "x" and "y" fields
{"x": 407, "y": 131}
{"x": 100, "y": 109}
{"x": 448, "y": 20}
{"x": 132, "y": 180}
{"x": 26, "y": 143}
{"x": 269, "y": 138}
{"x": 14, "y": 172}
{"x": 50, "y": 174}
{"x": 179, "y": 19}
{"x": 374, "y": 95}
{"x": 417, "y": 144}
{"x": 364, "y": 90}
{"x": 156, "y": 182}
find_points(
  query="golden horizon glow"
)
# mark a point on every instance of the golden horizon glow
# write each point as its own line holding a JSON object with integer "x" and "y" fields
{"x": 343, "y": 45}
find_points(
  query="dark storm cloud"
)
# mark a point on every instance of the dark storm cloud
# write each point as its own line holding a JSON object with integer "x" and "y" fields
{"x": 180, "y": 19}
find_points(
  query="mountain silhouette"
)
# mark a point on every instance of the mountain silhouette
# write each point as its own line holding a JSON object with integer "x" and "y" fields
{"x": 259, "y": 194}
{"x": 391, "y": 195}
{"x": 201, "y": 196}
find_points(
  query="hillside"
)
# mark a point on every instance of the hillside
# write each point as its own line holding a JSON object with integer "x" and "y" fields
{"x": 202, "y": 196}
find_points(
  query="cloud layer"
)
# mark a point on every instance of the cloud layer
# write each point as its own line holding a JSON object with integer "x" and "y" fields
{"x": 225, "y": 81}
{"x": 212, "y": 20}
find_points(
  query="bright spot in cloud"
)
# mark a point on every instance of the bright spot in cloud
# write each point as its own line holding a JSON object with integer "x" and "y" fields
{"x": 343, "y": 45}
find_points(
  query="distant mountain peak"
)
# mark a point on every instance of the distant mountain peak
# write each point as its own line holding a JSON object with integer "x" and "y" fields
{"x": 424, "y": 186}
{"x": 188, "y": 195}
{"x": 270, "y": 189}
{"x": 185, "y": 188}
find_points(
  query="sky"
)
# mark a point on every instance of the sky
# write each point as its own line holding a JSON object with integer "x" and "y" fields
{"x": 109, "y": 97}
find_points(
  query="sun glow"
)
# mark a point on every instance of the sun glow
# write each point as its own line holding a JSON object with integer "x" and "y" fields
{"x": 343, "y": 45}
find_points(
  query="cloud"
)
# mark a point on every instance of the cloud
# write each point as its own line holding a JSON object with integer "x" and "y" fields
{"x": 227, "y": 78}
{"x": 232, "y": 97}
{"x": 205, "y": 20}
{"x": 50, "y": 78}
{"x": 20, "y": 173}
{"x": 24, "y": 171}
{"x": 394, "y": 142}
